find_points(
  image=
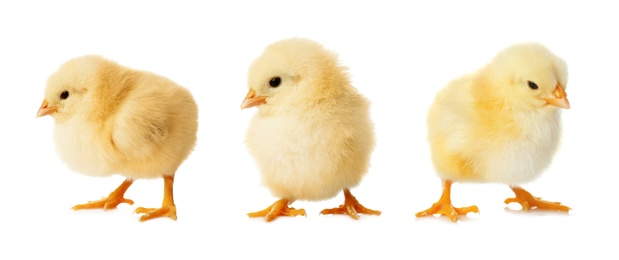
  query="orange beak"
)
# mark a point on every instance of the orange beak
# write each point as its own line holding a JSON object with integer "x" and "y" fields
{"x": 252, "y": 100}
{"x": 560, "y": 98}
{"x": 46, "y": 109}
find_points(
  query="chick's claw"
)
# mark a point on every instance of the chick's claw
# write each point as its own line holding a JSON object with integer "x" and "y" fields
{"x": 279, "y": 208}
{"x": 528, "y": 201}
{"x": 351, "y": 207}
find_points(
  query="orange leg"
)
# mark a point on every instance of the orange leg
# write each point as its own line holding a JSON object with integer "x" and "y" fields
{"x": 115, "y": 198}
{"x": 444, "y": 207}
{"x": 279, "y": 208}
{"x": 351, "y": 207}
{"x": 168, "y": 209}
{"x": 527, "y": 201}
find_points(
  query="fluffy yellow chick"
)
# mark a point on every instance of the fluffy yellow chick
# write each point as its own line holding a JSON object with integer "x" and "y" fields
{"x": 500, "y": 124}
{"x": 110, "y": 119}
{"x": 312, "y": 136}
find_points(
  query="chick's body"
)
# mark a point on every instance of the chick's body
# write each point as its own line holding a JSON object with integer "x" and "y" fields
{"x": 312, "y": 154}
{"x": 500, "y": 124}
{"x": 151, "y": 131}
{"x": 473, "y": 142}
{"x": 114, "y": 120}
{"x": 312, "y": 135}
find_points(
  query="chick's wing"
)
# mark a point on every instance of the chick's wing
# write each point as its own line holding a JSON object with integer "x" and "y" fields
{"x": 141, "y": 125}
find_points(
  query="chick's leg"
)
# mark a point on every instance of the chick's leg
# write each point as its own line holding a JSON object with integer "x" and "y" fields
{"x": 115, "y": 198}
{"x": 444, "y": 207}
{"x": 168, "y": 209}
{"x": 279, "y": 208}
{"x": 351, "y": 207}
{"x": 527, "y": 201}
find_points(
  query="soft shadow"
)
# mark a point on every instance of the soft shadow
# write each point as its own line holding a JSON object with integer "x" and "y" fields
{"x": 537, "y": 212}
{"x": 471, "y": 217}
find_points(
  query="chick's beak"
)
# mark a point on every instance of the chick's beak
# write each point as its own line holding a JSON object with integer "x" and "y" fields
{"x": 252, "y": 100}
{"x": 46, "y": 109}
{"x": 559, "y": 99}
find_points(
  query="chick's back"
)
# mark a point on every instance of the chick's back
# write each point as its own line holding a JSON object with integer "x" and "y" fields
{"x": 155, "y": 128}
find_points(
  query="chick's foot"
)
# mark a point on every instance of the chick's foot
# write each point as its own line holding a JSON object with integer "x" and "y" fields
{"x": 151, "y": 213}
{"x": 168, "y": 209}
{"x": 444, "y": 207}
{"x": 115, "y": 198}
{"x": 527, "y": 201}
{"x": 279, "y": 208}
{"x": 351, "y": 207}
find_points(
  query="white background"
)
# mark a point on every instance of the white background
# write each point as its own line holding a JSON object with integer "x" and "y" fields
{"x": 399, "y": 54}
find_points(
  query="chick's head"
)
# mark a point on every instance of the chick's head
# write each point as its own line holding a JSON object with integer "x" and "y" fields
{"x": 292, "y": 73}
{"x": 72, "y": 89}
{"x": 530, "y": 76}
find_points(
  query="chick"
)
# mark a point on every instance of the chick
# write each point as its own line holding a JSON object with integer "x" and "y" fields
{"x": 110, "y": 119}
{"x": 312, "y": 135}
{"x": 500, "y": 124}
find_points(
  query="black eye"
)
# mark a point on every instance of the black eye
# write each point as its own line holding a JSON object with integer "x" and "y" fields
{"x": 532, "y": 85}
{"x": 64, "y": 94}
{"x": 275, "y": 82}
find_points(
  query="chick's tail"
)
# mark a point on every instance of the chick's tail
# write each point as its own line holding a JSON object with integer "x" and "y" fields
{"x": 444, "y": 207}
{"x": 351, "y": 207}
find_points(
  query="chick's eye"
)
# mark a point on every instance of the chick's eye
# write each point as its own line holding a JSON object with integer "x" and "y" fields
{"x": 532, "y": 85}
{"x": 64, "y": 95}
{"x": 275, "y": 82}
